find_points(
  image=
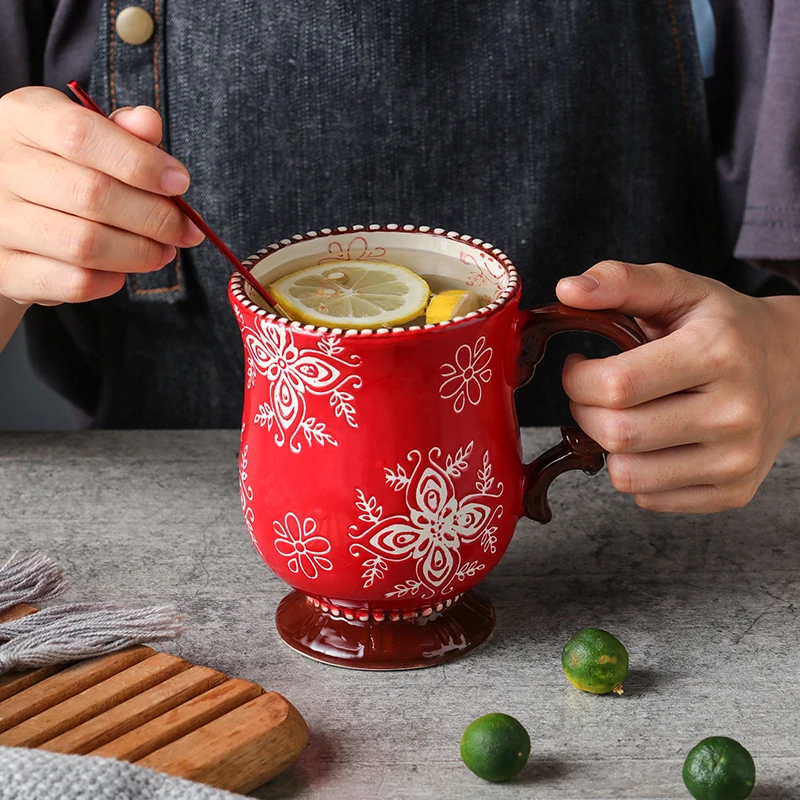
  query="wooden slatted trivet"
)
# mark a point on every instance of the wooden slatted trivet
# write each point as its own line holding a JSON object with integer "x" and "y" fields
{"x": 156, "y": 710}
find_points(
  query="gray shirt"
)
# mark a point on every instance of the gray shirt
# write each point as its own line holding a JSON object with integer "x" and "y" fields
{"x": 754, "y": 99}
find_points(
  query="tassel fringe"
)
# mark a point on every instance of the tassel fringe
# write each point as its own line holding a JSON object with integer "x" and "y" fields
{"x": 30, "y": 579}
{"x": 69, "y": 632}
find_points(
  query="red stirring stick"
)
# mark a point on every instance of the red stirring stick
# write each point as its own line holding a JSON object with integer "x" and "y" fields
{"x": 189, "y": 211}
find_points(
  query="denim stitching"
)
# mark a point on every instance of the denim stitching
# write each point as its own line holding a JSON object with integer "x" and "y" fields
{"x": 178, "y": 275}
{"x": 111, "y": 46}
{"x": 682, "y": 73}
{"x": 155, "y": 58}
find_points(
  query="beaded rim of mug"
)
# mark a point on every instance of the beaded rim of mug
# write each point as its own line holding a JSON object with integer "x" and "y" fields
{"x": 381, "y": 615}
{"x": 237, "y": 282}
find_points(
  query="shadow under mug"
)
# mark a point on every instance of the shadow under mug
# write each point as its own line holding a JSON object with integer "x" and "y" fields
{"x": 381, "y": 471}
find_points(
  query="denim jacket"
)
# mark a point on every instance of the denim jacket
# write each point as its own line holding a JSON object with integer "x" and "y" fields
{"x": 562, "y": 131}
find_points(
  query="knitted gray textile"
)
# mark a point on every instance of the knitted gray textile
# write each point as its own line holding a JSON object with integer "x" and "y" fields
{"x": 38, "y": 775}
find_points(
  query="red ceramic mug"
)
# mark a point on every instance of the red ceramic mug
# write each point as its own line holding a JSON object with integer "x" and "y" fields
{"x": 380, "y": 471}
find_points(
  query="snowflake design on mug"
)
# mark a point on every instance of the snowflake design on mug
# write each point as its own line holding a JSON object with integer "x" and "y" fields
{"x": 297, "y": 542}
{"x": 246, "y": 496}
{"x": 437, "y": 522}
{"x": 293, "y": 374}
{"x": 463, "y": 378}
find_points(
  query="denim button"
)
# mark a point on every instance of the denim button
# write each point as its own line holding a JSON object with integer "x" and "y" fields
{"x": 135, "y": 25}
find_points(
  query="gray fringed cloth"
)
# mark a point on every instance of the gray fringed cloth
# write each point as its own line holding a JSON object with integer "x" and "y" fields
{"x": 65, "y": 633}
{"x": 38, "y": 775}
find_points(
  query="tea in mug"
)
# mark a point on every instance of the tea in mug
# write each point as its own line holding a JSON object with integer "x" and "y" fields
{"x": 362, "y": 294}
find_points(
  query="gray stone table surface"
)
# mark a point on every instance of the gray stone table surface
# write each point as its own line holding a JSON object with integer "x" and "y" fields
{"x": 708, "y": 607}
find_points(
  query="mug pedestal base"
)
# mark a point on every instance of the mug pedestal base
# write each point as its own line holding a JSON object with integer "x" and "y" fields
{"x": 386, "y": 645}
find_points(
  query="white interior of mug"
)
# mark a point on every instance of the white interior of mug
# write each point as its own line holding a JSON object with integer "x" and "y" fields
{"x": 446, "y": 259}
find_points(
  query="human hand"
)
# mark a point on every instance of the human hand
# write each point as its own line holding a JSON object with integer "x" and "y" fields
{"x": 694, "y": 419}
{"x": 83, "y": 200}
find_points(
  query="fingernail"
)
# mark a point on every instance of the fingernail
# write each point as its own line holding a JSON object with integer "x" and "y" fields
{"x": 168, "y": 253}
{"x": 586, "y": 282}
{"x": 121, "y": 112}
{"x": 193, "y": 235}
{"x": 173, "y": 181}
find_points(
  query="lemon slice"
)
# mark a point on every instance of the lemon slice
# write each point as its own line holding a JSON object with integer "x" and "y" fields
{"x": 352, "y": 295}
{"x": 450, "y": 304}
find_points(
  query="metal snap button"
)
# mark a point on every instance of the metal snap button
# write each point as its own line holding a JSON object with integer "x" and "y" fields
{"x": 135, "y": 25}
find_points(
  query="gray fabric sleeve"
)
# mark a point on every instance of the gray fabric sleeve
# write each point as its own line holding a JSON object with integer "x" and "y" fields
{"x": 46, "y": 42}
{"x": 770, "y": 228}
{"x": 23, "y": 37}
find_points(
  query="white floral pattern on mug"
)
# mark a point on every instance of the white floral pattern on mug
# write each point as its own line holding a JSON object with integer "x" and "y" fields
{"x": 246, "y": 495}
{"x": 464, "y": 377}
{"x": 293, "y": 374}
{"x": 296, "y": 541}
{"x": 438, "y": 522}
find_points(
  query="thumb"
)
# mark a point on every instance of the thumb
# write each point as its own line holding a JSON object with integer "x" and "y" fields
{"x": 143, "y": 122}
{"x": 647, "y": 291}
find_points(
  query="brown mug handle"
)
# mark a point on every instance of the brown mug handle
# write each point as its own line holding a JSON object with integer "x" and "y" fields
{"x": 575, "y": 450}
